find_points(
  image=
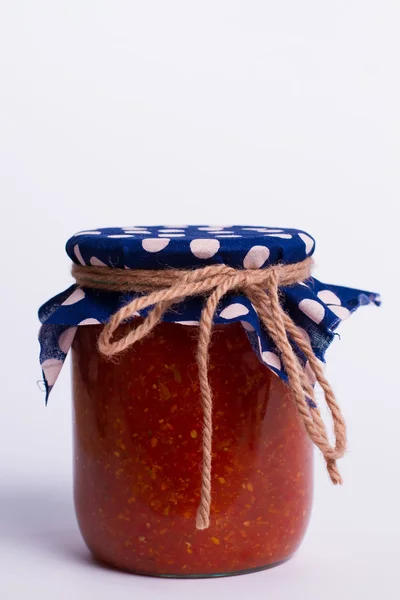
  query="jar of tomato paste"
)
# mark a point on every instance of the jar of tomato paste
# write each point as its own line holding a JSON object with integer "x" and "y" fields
{"x": 195, "y": 351}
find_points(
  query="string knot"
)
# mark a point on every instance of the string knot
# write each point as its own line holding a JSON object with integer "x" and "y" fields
{"x": 162, "y": 288}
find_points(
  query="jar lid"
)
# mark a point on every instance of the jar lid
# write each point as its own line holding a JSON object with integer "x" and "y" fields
{"x": 315, "y": 307}
{"x": 157, "y": 247}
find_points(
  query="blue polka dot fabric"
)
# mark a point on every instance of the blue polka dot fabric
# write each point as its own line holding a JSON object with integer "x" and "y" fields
{"x": 317, "y": 308}
{"x": 187, "y": 247}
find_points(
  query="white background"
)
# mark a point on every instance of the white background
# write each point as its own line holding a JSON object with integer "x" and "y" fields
{"x": 259, "y": 112}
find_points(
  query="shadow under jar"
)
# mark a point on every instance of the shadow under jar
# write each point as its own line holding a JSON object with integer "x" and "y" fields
{"x": 138, "y": 442}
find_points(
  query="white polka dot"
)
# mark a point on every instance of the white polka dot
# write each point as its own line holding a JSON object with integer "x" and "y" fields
{"x": 96, "y": 262}
{"x": 66, "y": 339}
{"x": 120, "y": 235}
{"x": 309, "y": 242}
{"x": 304, "y": 334}
{"x": 328, "y": 297}
{"x": 134, "y": 228}
{"x": 171, "y": 231}
{"x": 190, "y": 323}
{"x": 51, "y": 368}
{"x": 155, "y": 244}
{"x": 247, "y": 326}
{"x": 223, "y": 232}
{"x": 256, "y": 257}
{"x": 284, "y": 236}
{"x": 171, "y": 235}
{"x": 204, "y": 248}
{"x": 210, "y": 228}
{"x": 234, "y": 310}
{"x": 138, "y": 232}
{"x": 340, "y": 311}
{"x": 78, "y": 254}
{"x": 76, "y": 296}
{"x": 89, "y": 321}
{"x": 87, "y": 233}
{"x": 222, "y": 235}
{"x": 271, "y": 359}
{"x": 262, "y": 229}
{"x": 312, "y": 309}
{"x": 310, "y": 373}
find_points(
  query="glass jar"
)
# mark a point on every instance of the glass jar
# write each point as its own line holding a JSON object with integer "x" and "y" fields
{"x": 137, "y": 438}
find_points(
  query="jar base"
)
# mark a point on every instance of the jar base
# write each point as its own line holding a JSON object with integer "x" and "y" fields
{"x": 188, "y": 576}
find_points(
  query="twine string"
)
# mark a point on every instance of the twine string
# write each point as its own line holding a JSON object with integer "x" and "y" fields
{"x": 163, "y": 288}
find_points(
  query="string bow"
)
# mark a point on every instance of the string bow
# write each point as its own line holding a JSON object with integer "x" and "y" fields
{"x": 163, "y": 288}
